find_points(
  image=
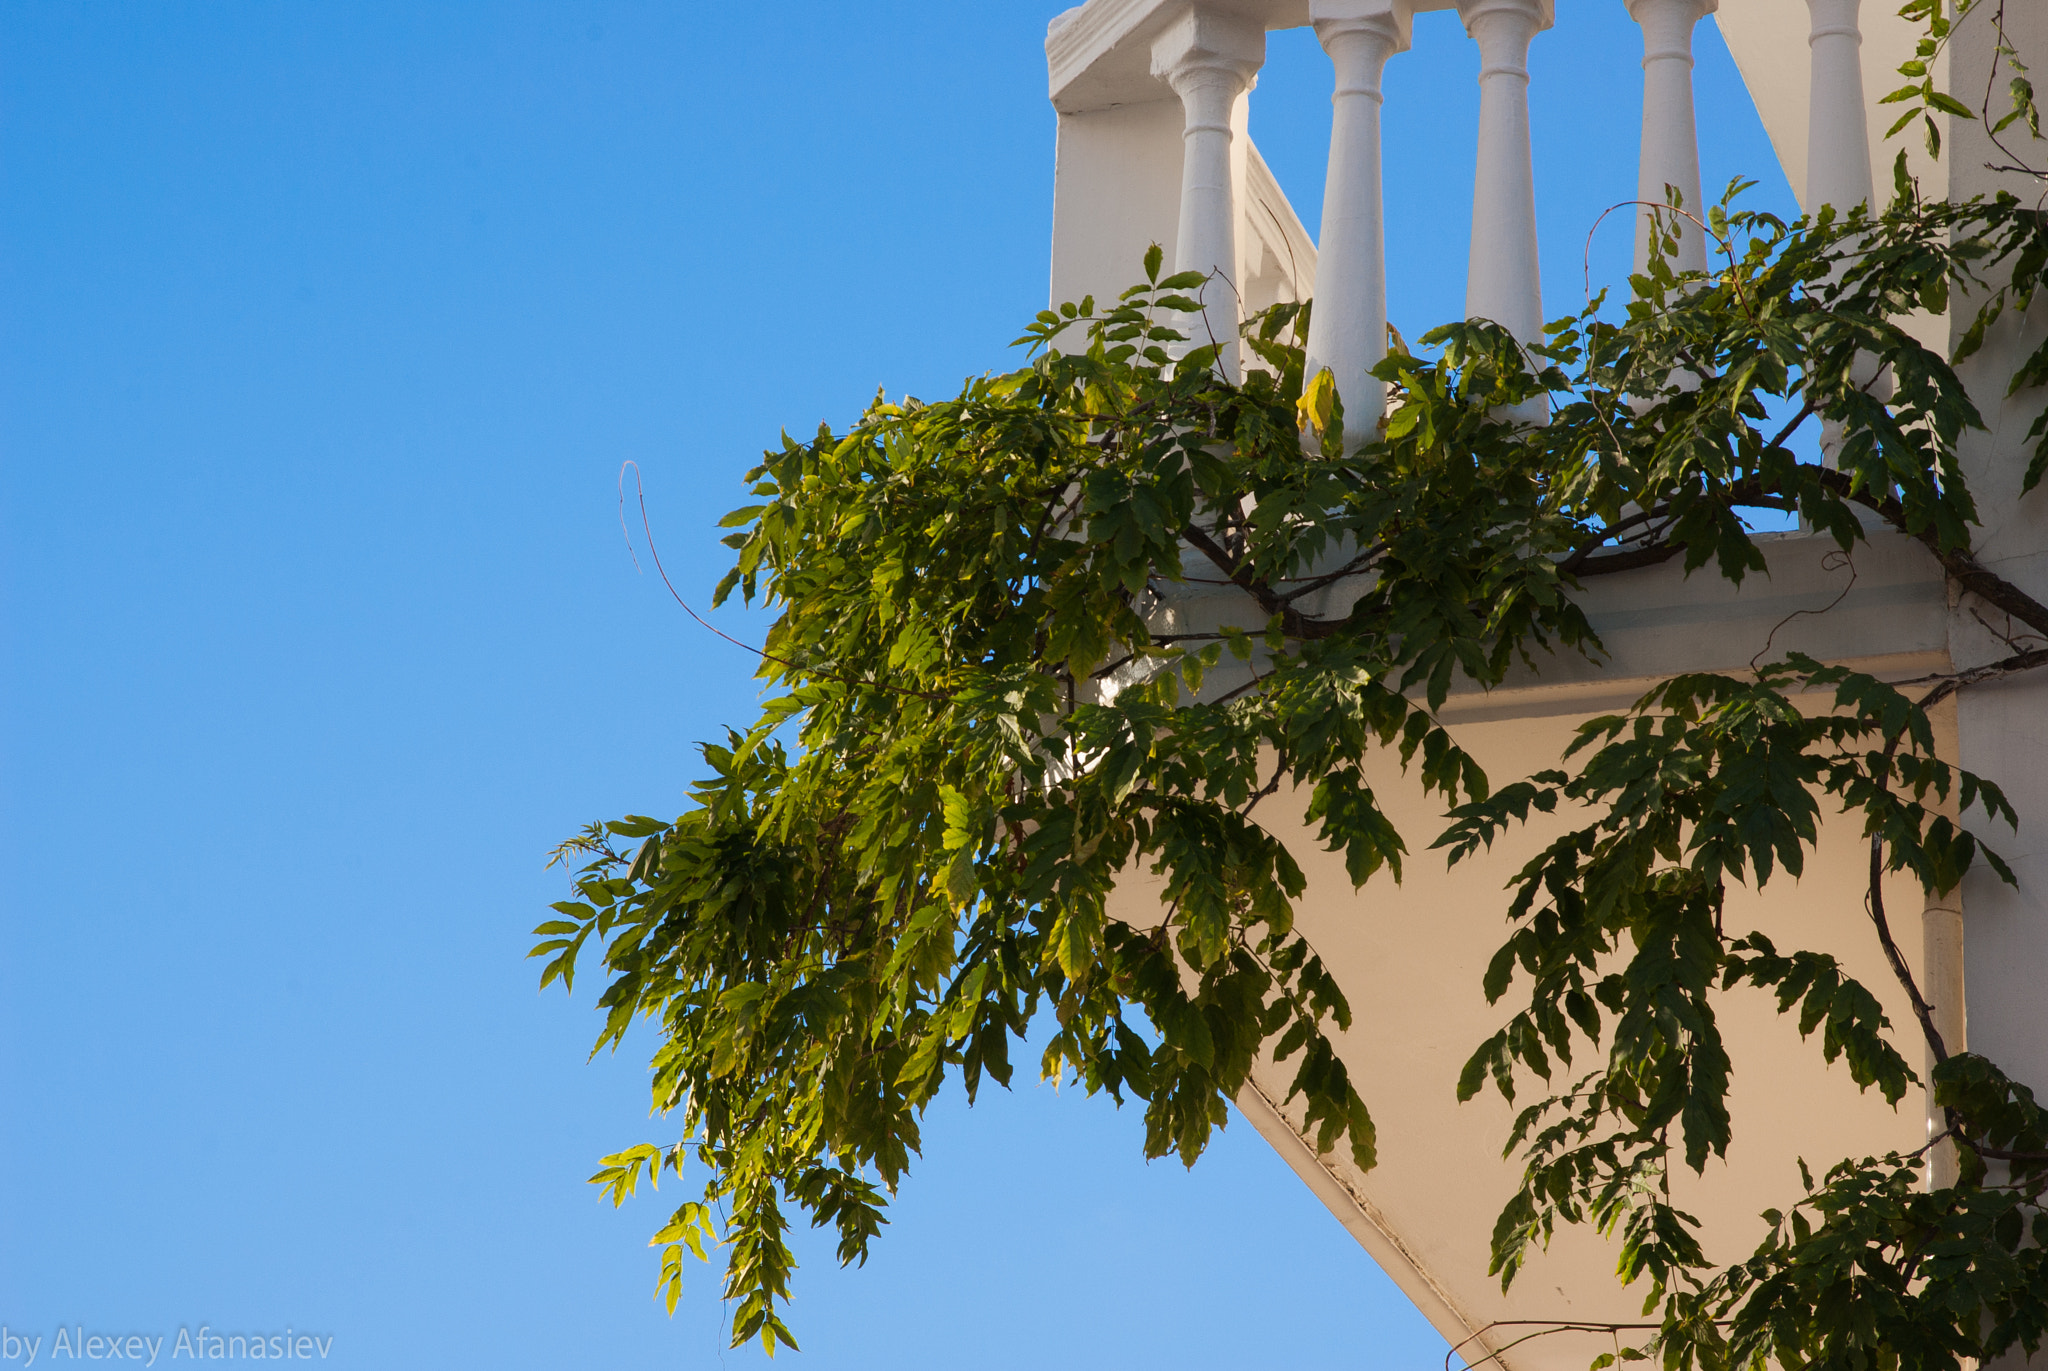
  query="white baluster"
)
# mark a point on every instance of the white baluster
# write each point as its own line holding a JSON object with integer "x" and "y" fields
{"x": 1671, "y": 148}
{"x": 1348, "y": 327}
{"x": 1838, "y": 154}
{"x": 1837, "y": 137}
{"x": 1502, "y": 282}
{"x": 1210, "y": 59}
{"x": 1942, "y": 957}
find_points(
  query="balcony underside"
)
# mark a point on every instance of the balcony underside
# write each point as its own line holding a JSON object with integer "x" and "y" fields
{"x": 1411, "y": 956}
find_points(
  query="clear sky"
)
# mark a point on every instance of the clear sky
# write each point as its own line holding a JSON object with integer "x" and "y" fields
{"x": 324, "y": 330}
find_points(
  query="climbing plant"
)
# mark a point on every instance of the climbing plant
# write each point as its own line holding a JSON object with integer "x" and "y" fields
{"x": 987, "y": 706}
{"x": 1999, "y": 106}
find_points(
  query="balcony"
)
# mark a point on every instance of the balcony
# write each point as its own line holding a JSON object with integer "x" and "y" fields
{"x": 1153, "y": 98}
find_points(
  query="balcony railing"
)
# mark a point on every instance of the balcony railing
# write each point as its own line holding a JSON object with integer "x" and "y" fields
{"x": 1153, "y": 98}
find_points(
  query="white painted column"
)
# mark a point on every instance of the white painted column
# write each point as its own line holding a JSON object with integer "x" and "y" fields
{"x": 1838, "y": 153}
{"x": 1837, "y": 136}
{"x": 1210, "y": 59}
{"x": 1502, "y": 281}
{"x": 1348, "y": 326}
{"x": 1941, "y": 932}
{"x": 1671, "y": 147}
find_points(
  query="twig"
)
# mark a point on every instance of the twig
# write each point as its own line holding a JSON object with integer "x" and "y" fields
{"x": 641, "y": 490}
{"x": 1292, "y": 623}
{"x": 1626, "y": 561}
{"x": 1354, "y": 567}
{"x": 1583, "y": 555}
{"x": 1874, "y": 904}
{"x": 1727, "y": 248}
{"x": 1845, "y": 560}
{"x": 1279, "y": 773}
{"x": 2005, "y": 635}
{"x": 1545, "y": 1327}
{"x": 1949, "y": 685}
{"x": 1999, "y": 48}
{"x": 1806, "y": 411}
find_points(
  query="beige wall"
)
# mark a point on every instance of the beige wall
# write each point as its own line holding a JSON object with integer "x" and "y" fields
{"x": 1411, "y": 955}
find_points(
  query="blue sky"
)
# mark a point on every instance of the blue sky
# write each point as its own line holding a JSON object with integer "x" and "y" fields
{"x": 324, "y": 331}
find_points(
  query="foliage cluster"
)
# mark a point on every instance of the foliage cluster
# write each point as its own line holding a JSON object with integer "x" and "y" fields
{"x": 1004, "y": 698}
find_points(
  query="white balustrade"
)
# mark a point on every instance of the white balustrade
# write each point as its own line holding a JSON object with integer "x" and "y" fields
{"x": 1348, "y": 327}
{"x": 1109, "y": 60}
{"x": 1210, "y": 58}
{"x": 1670, "y": 150}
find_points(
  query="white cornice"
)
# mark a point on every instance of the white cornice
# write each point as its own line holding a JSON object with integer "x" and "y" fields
{"x": 1099, "y": 54}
